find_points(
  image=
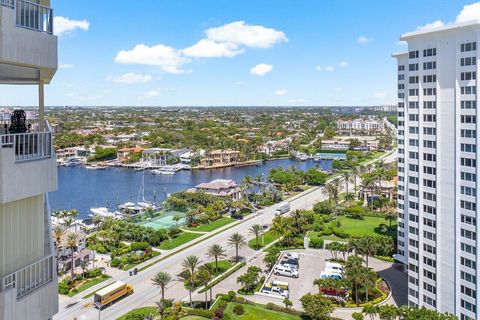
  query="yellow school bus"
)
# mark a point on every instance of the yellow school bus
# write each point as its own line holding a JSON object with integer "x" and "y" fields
{"x": 111, "y": 293}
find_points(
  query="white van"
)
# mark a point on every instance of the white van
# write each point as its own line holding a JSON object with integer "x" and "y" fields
{"x": 330, "y": 275}
{"x": 293, "y": 255}
{"x": 285, "y": 271}
{"x": 283, "y": 208}
{"x": 334, "y": 267}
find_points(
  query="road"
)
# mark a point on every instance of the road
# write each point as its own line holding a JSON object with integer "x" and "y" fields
{"x": 146, "y": 293}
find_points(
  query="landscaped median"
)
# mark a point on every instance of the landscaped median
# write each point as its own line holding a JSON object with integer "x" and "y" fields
{"x": 212, "y": 225}
{"x": 178, "y": 240}
{"x": 72, "y": 288}
{"x": 225, "y": 275}
{"x": 264, "y": 240}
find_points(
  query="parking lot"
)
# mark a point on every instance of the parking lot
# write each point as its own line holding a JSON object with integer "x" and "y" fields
{"x": 311, "y": 265}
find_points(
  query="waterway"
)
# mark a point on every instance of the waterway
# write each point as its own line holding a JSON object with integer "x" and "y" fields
{"x": 83, "y": 189}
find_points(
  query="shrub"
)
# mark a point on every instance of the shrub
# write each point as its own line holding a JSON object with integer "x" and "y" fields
{"x": 327, "y": 232}
{"x": 316, "y": 243}
{"x": 115, "y": 262}
{"x": 64, "y": 286}
{"x": 231, "y": 295}
{"x": 341, "y": 234}
{"x": 238, "y": 310}
{"x": 93, "y": 273}
{"x": 200, "y": 312}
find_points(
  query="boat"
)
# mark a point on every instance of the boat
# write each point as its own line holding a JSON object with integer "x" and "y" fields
{"x": 317, "y": 158}
{"x": 95, "y": 167}
{"x": 162, "y": 172}
{"x": 303, "y": 157}
{"x": 139, "y": 207}
{"x": 72, "y": 162}
{"x": 104, "y": 213}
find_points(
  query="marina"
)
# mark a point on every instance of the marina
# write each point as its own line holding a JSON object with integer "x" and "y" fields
{"x": 84, "y": 189}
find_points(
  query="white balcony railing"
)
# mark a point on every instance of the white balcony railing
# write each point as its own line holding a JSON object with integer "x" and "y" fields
{"x": 28, "y": 146}
{"x": 30, "y": 278}
{"x": 31, "y": 15}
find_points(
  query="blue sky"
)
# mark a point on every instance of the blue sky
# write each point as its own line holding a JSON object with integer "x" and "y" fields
{"x": 283, "y": 52}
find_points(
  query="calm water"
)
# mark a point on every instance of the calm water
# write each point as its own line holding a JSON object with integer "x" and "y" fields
{"x": 83, "y": 189}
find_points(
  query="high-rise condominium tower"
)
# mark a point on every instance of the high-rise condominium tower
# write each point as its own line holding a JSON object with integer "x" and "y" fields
{"x": 437, "y": 167}
{"x": 28, "y": 56}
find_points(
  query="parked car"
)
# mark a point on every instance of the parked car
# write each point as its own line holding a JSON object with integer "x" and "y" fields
{"x": 293, "y": 255}
{"x": 334, "y": 267}
{"x": 289, "y": 265}
{"x": 327, "y": 274}
{"x": 281, "y": 270}
{"x": 290, "y": 261}
{"x": 335, "y": 292}
{"x": 277, "y": 288}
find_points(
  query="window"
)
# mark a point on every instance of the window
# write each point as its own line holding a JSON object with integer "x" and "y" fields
{"x": 401, "y": 86}
{"x": 429, "y": 170}
{"x": 413, "y": 54}
{"x": 468, "y": 90}
{"x": 469, "y": 220}
{"x": 468, "y": 306}
{"x": 465, "y": 133}
{"x": 401, "y": 77}
{"x": 413, "y": 193}
{"x": 413, "y": 142}
{"x": 429, "y": 144}
{"x": 413, "y": 205}
{"x": 468, "y": 291}
{"x": 468, "y": 248}
{"x": 467, "y": 162}
{"x": 468, "y": 104}
{"x": 413, "y": 67}
{"x": 401, "y": 68}
{"x": 471, "y": 75}
{"x": 429, "y": 78}
{"x": 429, "y": 249}
{"x": 429, "y": 104}
{"x": 413, "y": 105}
{"x": 468, "y": 277}
{"x": 429, "y": 262}
{"x": 429, "y": 196}
{"x": 413, "y": 167}
{"x": 467, "y": 205}
{"x": 413, "y": 92}
{"x": 413, "y": 117}
{"x": 429, "y": 183}
{"x": 469, "y": 61}
{"x": 429, "y": 118}
{"x": 429, "y": 131}
{"x": 430, "y": 52}
{"x": 429, "y": 65}
{"x": 413, "y": 180}
{"x": 467, "y": 176}
{"x": 429, "y": 91}
{"x": 429, "y": 157}
{"x": 468, "y": 191}
{"x": 413, "y": 79}
{"x": 429, "y": 209}
{"x": 468, "y": 119}
{"x": 465, "y": 47}
{"x": 429, "y": 274}
{"x": 468, "y": 234}
{"x": 467, "y": 147}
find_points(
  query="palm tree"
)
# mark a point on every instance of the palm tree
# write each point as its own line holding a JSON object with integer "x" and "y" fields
{"x": 332, "y": 190}
{"x": 355, "y": 173}
{"x": 162, "y": 279}
{"x": 191, "y": 263}
{"x": 282, "y": 227}
{"x": 368, "y": 246}
{"x": 390, "y": 216}
{"x": 83, "y": 266}
{"x": 216, "y": 251}
{"x": 298, "y": 219}
{"x": 354, "y": 273}
{"x": 256, "y": 230}
{"x": 176, "y": 218}
{"x": 238, "y": 241}
{"x": 71, "y": 243}
{"x": 58, "y": 233}
{"x": 188, "y": 279}
{"x": 205, "y": 276}
{"x": 347, "y": 178}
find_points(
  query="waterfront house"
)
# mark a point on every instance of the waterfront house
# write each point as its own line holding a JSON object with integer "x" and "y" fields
{"x": 220, "y": 187}
{"x": 219, "y": 158}
{"x": 125, "y": 152}
{"x": 162, "y": 156}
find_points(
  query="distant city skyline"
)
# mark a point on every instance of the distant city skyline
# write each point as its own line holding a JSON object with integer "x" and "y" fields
{"x": 188, "y": 53}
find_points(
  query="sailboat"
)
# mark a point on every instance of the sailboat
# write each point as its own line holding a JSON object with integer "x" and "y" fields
{"x": 140, "y": 206}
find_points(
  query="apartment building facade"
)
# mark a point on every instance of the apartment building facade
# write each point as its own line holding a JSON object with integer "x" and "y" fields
{"x": 28, "y": 56}
{"x": 437, "y": 167}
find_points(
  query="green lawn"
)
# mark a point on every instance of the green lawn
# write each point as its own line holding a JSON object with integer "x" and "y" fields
{"x": 88, "y": 284}
{"x": 193, "y": 318}
{"x": 223, "y": 265}
{"x": 182, "y": 238}
{"x": 268, "y": 237}
{"x": 212, "y": 225}
{"x": 146, "y": 311}
{"x": 255, "y": 312}
{"x": 368, "y": 226}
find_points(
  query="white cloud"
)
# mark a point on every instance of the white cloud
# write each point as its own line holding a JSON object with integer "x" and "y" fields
{"x": 206, "y": 48}
{"x": 380, "y": 95}
{"x": 469, "y": 12}
{"x": 330, "y": 68}
{"x": 239, "y": 83}
{"x": 165, "y": 57}
{"x": 363, "y": 40}
{"x": 153, "y": 93}
{"x": 318, "y": 68}
{"x": 63, "y": 26}
{"x": 281, "y": 92}
{"x": 66, "y": 66}
{"x": 344, "y": 64}
{"x": 130, "y": 78}
{"x": 261, "y": 69}
{"x": 401, "y": 43}
{"x": 240, "y": 33}
{"x": 297, "y": 101}
{"x": 429, "y": 26}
